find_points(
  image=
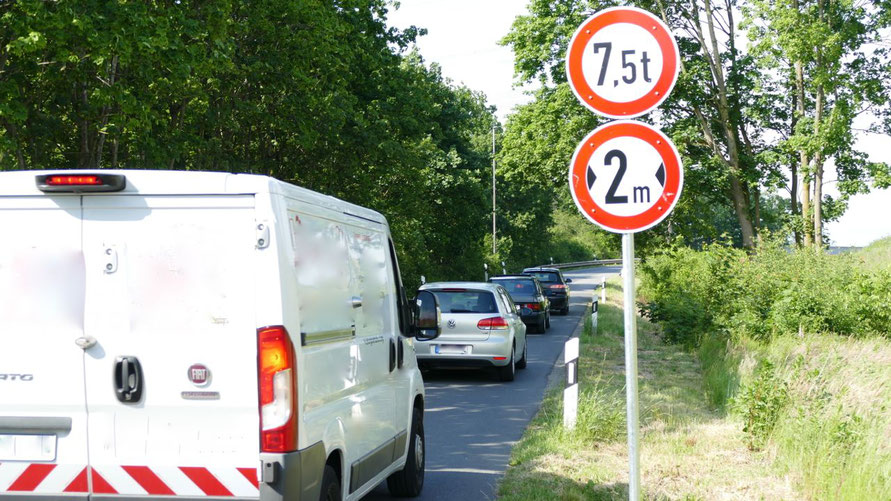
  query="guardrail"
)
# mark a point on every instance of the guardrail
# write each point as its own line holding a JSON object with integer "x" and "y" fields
{"x": 581, "y": 264}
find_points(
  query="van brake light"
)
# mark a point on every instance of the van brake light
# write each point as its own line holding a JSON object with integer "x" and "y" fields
{"x": 557, "y": 286}
{"x": 79, "y": 183}
{"x": 276, "y": 367}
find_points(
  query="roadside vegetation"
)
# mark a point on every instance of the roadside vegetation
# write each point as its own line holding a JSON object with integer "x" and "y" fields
{"x": 689, "y": 449}
{"x": 794, "y": 345}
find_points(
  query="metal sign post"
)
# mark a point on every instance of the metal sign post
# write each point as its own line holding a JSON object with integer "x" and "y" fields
{"x": 631, "y": 366}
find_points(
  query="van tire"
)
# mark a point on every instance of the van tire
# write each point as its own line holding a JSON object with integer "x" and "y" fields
{"x": 330, "y": 485}
{"x": 521, "y": 363}
{"x": 408, "y": 482}
{"x": 509, "y": 371}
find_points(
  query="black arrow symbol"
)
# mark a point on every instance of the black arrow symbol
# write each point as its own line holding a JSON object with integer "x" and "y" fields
{"x": 590, "y": 177}
{"x": 660, "y": 174}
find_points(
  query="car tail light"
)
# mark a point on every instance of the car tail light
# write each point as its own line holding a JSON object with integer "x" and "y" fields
{"x": 533, "y": 306}
{"x": 80, "y": 182}
{"x": 276, "y": 367}
{"x": 557, "y": 286}
{"x": 492, "y": 323}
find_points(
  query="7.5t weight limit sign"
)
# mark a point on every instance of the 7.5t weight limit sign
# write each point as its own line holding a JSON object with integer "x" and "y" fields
{"x": 622, "y": 62}
{"x": 626, "y": 176}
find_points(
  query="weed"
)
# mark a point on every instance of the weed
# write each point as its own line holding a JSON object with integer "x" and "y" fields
{"x": 760, "y": 403}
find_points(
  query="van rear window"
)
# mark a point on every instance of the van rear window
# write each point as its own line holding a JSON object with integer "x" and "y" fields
{"x": 466, "y": 301}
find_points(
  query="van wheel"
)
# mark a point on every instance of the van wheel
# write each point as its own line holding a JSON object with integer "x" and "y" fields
{"x": 509, "y": 371}
{"x": 330, "y": 485}
{"x": 521, "y": 363}
{"x": 548, "y": 321}
{"x": 408, "y": 482}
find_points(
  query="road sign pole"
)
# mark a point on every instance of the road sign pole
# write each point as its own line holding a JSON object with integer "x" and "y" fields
{"x": 631, "y": 366}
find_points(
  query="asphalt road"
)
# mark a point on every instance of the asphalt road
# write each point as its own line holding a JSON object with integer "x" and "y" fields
{"x": 472, "y": 419}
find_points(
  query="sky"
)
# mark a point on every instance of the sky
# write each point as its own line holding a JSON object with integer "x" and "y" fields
{"x": 463, "y": 39}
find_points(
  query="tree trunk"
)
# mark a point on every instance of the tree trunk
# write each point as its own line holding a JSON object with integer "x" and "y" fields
{"x": 818, "y": 157}
{"x": 737, "y": 187}
{"x": 818, "y": 174}
{"x": 803, "y": 157}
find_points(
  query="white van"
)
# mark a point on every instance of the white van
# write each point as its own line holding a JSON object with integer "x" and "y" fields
{"x": 188, "y": 335}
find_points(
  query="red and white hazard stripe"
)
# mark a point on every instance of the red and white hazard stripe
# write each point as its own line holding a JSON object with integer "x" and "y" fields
{"x": 43, "y": 478}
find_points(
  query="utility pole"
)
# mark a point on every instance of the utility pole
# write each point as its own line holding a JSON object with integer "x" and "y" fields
{"x": 494, "y": 248}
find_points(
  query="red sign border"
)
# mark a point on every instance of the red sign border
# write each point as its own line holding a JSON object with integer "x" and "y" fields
{"x": 667, "y": 79}
{"x": 671, "y": 192}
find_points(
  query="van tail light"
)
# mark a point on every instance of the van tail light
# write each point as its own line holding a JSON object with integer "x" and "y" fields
{"x": 276, "y": 367}
{"x": 557, "y": 286}
{"x": 73, "y": 182}
{"x": 492, "y": 324}
{"x": 533, "y": 306}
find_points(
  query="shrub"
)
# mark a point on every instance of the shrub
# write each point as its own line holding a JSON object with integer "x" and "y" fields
{"x": 760, "y": 403}
{"x": 773, "y": 291}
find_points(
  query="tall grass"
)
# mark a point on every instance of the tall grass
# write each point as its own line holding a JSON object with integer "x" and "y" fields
{"x": 835, "y": 432}
{"x": 720, "y": 370}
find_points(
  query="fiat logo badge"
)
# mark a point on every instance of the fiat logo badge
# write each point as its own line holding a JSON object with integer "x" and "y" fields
{"x": 199, "y": 375}
{"x": 451, "y": 324}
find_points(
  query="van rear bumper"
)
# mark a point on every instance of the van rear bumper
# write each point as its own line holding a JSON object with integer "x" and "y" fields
{"x": 293, "y": 475}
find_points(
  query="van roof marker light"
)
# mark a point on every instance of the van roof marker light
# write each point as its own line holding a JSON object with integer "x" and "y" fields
{"x": 79, "y": 182}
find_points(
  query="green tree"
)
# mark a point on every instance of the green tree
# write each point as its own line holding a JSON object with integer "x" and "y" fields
{"x": 322, "y": 94}
{"x": 830, "y": 58}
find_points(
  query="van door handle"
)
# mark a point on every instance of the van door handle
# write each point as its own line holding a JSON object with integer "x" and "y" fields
{"x": 392, "y": 354}
{"x": 400, "y": 353}
{"x": 128, "y": 381}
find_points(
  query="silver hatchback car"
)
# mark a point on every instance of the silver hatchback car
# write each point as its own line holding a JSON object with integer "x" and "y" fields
{"x": 481, "y": 327}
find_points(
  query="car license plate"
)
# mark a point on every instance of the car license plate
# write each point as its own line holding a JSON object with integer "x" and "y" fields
{"x": 452, "y": 349}
{"x": 27, "y": 447}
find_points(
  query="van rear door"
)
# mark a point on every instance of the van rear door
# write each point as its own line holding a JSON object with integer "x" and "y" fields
{"x": 172, "y": 381}
{"x": 43, "y": 423}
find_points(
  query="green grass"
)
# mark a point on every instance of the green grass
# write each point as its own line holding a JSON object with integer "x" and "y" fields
{"x": 877, "y": 255}
{"x": 690, "y": 450}
{"x": 834, "y": 434}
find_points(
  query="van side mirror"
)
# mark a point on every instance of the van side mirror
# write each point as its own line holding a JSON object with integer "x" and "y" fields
{"x": 569, "y": 280}
{"x": 426, "y": 319}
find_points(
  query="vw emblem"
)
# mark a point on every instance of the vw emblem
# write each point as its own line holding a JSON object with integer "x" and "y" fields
{"x": 451, "y": 324}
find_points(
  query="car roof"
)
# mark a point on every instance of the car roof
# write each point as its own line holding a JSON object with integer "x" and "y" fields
{"x": 518, "y": 275}
{"x": 460, "y": 285}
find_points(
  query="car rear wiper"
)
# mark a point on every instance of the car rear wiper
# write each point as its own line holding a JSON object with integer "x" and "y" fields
{"x": 461, "y": 311}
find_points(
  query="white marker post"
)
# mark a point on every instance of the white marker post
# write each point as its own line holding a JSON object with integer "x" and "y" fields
{"x": 571, "y": 392}
{"x": 594, "y": 316}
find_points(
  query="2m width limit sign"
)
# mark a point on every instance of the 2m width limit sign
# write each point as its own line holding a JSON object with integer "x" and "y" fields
{"x": 625, "y": 176}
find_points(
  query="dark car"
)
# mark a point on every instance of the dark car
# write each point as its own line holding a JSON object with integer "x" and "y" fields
{"x": 527, "y": 293}
{"x": 555, "y": 286}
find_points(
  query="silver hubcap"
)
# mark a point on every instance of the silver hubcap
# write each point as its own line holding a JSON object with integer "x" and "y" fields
{"x": 419, "y": 452}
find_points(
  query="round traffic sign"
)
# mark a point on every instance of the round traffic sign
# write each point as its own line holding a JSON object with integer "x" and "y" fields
{"x": 626, "y": 176}
{"x": 622, "y": 62}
